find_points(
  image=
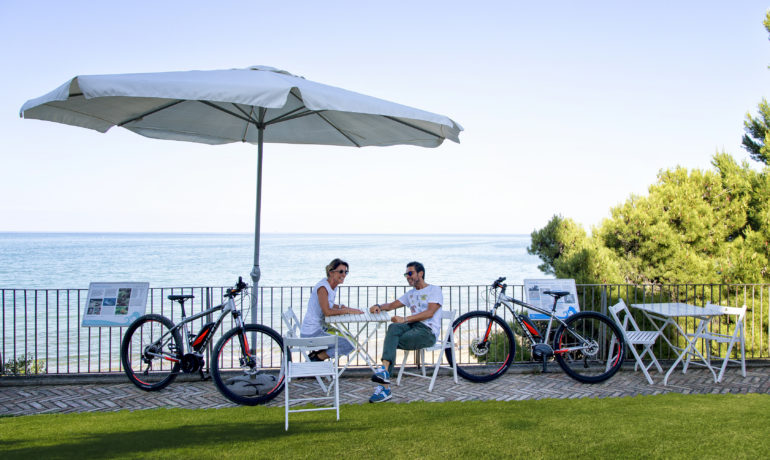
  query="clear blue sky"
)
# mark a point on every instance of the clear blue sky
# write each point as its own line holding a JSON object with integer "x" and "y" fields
{"x": 568, "y": 108}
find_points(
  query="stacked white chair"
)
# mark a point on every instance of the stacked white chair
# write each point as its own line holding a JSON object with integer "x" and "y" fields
{"x": 445, "y": 341}
{"x": 633, "y": 336}
{"x": 298, "y": 369}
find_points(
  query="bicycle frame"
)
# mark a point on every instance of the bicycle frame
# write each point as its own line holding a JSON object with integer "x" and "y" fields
{"x": 226, "y": 307}
{"x": 530, "y": 330}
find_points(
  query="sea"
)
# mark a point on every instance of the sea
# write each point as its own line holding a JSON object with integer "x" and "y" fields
{"x": 73, "y": 260}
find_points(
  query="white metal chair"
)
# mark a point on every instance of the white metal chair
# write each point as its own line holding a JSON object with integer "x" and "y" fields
{"x": 298, "y": 369}
{"x": 737, "y": 336}
{"x": 292, "y": 330}
{"x": 447, "y": 342}
{"x": 633, "y": 336}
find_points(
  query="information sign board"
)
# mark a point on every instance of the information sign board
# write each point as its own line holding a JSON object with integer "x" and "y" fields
{"x": 567, "y": 305}
{"x": 114, "y": 304}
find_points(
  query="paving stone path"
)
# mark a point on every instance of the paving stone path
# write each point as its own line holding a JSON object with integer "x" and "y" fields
{"x": 47, "y": 399}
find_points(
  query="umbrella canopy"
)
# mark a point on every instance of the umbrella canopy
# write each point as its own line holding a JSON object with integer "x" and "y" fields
{"x": 223, "y": 106}
{"x": 258, "y": 104}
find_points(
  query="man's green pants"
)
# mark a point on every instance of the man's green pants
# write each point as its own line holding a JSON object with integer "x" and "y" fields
{"x": 406, "y": 336}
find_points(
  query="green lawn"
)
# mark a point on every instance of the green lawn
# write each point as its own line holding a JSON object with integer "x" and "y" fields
{"x": 665, "y": 426}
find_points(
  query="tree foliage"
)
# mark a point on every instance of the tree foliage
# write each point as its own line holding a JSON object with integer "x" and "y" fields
{"x": 692, "y": 227}
{"x": 756, "y": 140}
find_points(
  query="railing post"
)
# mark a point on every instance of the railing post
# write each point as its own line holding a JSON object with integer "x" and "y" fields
{"x": 207, "y": 296}
{"x": 604, "y": 299}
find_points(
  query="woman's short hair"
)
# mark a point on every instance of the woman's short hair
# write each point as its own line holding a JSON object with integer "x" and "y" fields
{"x": 334, "y": 264}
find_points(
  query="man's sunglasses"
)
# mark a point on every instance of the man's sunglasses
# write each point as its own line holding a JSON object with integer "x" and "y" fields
{"x": 409, "y": 273}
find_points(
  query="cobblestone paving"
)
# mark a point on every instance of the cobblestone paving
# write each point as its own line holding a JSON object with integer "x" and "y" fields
{"x": 46, "y": 399}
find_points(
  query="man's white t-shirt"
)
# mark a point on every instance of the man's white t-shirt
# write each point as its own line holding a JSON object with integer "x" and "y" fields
{"x": 417, "y": 301}
{"x": 314, "y": 318}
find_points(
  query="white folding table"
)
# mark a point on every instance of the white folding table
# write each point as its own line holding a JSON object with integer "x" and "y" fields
{"x": 344, "y": 322}
{"x": 664, "y": 314}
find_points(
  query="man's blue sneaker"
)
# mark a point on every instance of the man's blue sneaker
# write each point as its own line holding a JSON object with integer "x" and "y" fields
{"x": 381, "y": 376}
{"x": 380, "y": 394}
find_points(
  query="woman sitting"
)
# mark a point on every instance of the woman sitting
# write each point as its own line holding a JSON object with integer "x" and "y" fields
{"x": 321, "y": 304}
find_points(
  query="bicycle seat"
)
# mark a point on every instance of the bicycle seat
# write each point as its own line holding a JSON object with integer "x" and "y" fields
{"x": 557, "y": 294}
{"x": 180, "y": 297}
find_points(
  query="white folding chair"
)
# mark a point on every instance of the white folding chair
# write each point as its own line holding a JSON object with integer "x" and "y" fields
{"x": 448, "y": 342}
{"x": 298, "y": 369}
{"x": 633, "y": 336}
{"x": 737, "y": 336}
{"x": 292, "y": 330}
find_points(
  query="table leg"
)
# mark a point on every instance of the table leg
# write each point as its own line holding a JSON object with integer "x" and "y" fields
{"x": 687, "y": 349}
{"x": 359, "y": 349}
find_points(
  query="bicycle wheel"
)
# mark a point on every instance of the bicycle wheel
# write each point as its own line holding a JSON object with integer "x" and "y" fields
{"x": 597, "y": 347}
{"x": 247, "y": 368}
{"x": 146, "y": 342}
{"x": 484, "y": 346}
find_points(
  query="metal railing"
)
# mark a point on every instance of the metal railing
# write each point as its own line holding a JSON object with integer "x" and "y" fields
{"x": 41, "y": 328}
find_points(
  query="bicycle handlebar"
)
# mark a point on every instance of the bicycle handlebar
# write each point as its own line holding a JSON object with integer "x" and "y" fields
{"x": 498, "y": 283}
{"x": 235, "y": 290}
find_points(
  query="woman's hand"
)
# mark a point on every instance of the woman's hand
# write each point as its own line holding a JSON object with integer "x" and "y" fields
{"x": 354, "y": 311}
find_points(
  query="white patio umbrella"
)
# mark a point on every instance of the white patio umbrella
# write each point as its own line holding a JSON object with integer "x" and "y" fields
{"x": 258, "y": 104}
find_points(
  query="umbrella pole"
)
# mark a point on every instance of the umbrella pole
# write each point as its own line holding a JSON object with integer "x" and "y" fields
{"x": 255, "y": 272}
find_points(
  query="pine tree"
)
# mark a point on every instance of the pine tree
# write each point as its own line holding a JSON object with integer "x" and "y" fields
{"x": 756, "y": 141}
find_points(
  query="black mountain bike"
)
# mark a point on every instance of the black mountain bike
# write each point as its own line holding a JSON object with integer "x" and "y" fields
{"x": 246, "y": 362}
{"x": 588, "y": 345}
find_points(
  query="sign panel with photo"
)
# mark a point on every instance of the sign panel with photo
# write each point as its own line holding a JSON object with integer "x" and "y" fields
{"x": 114, "y": 304}
{"x": 567, "y": 305}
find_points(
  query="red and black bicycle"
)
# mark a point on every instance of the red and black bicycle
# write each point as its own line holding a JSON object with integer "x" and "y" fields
{"x": 246, "y": 362}
{"x": 587, "y": 345}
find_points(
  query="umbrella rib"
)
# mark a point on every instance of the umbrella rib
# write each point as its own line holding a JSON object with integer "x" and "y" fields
{"x": 412, "y": 126}
{"x": 291, "y": 115}
{"x": 229, "y": 112}
{"x": 139, "y": 117}
{"x": 338, "y": 130}
{"x": 317, "y": 112}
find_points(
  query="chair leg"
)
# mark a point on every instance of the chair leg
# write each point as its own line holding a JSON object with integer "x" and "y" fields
{"x": 639, "y": 361}
{"x": 648, "y": 349}
{"x": 421, "y": 358}
{"x": 743, "y": 354}
{"x": 435, "y": 371}
{"x": 336, "y": 383}
{"x": 286, "y": 396}
{"x": 401, "y": 370}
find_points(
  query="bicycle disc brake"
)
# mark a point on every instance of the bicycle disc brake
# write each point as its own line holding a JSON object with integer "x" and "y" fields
{"x": 591, "y": 349}
{"x": 250, "y": 365}
{"x": 479, "y": 348}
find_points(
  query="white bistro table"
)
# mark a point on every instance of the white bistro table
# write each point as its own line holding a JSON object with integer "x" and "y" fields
{"x": 344, "y": 322}
{"x": 664, "y": 314}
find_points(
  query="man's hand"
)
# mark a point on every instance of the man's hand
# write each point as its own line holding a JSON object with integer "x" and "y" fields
{"x": 398, "y": 319}
{"x": 375, "y": 309}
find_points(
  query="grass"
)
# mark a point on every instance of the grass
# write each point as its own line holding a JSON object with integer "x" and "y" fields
{"x": 663, "y": 426}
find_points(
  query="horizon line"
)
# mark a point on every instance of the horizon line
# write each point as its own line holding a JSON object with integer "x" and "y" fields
{"x": 96, "y": 232}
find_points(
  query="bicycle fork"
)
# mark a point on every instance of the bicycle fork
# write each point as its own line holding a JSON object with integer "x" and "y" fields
{"x": 247, "y": 358}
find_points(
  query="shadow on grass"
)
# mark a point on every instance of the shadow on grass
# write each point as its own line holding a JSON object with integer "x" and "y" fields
{"x": 164, "y": 442}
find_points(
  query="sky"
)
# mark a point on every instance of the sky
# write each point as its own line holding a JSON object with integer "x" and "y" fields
{"x": 569, "y": 108}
